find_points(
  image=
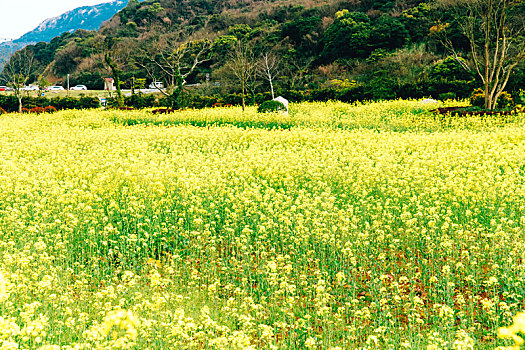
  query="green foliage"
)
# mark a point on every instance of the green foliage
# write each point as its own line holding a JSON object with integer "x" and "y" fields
{"x": 388, "y": 32}
{"x": 140, "y": 83}
{"x": 478, "y": 98}
{"x": 363, "y": 40}
{"x": 377, "y": 55}
{"x": 271, "y": 107}
{"x": 222, "y": 46}
{"x": 447, "y": 96}
{"x": 240, "y": 31}
{"x": 92, "y": 79}
{"x": 382, "y": 86}
{"x": 140, "y": 101}
{"x": 450, "y": 69}
{"x": 520, "y": 97}
{"x": 297, "y": 29}
{"x": 348, "y": 36}
{"x": 417, "y": 21}
{"x": 505, "y": 100}
{"x": 10, "y": 103}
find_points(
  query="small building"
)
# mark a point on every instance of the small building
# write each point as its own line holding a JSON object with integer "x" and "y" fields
{"x": 109, "y": 84}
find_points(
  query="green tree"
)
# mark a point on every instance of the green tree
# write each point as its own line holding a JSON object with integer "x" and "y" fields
{"x": 222, "y": 46}
{"x": 348, "y": 36}
{"x": 450, "y": 69}
{"x": 388, "y": 33}
{"x": 240, "y": 31}
{"x": 297, "y": 29}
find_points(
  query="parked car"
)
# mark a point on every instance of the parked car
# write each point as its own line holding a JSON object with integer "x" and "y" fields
{"x": 6, "y": 88}
{"x": 30, "y": 88}
{"x": 79, "y": 87}
{"x": 156, "y": 85}
{"x": 55, "y": 88}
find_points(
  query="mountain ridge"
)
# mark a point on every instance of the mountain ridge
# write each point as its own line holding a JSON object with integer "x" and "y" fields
{"x": 84, "y": 17}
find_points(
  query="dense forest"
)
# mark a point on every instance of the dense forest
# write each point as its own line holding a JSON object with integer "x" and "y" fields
{"x": 370, "y": 49}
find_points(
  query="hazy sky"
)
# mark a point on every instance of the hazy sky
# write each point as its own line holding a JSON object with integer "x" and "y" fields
{"x": 18, "y": 17}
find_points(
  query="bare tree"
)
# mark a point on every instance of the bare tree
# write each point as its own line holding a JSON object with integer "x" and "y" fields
{"x": 174, "y": 62}
{"x": 296, "y": 67}
{"x": 268, "y": 68}
{"x": 495, "y": 30}
{"x": 110, "y": 56}
{"x": 114, "y": 55}
{"x": 17, "y": 72}
{"x": 241, "y": 65}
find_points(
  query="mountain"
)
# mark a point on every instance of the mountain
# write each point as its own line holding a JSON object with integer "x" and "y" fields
{"x": 85, "y": 17}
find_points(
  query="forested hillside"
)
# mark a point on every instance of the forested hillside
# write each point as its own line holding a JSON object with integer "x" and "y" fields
{"x": 374, "y": 49}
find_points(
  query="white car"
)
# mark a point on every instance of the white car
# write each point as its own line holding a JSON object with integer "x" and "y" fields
{"x": 30, "y": 88}
{"x": 55, "y": 88}
{"x": 156, "y": 85}
{"x": 79, "y": 87}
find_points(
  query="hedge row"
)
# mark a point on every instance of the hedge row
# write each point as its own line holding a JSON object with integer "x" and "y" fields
{"x": 10, "y": 103}
{"x": 437, "y": 90}
{"x": 359, "y": 92}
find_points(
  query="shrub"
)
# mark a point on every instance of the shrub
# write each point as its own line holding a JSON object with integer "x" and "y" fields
{"x": 478, "y": 98}
{"x": 325, "y": 94}
{"x": 271, "y": 106}
{"x": 140, "y": 101}
{"x": 49, "y": 109}
{"x": 9, "y": 103}
{"x": 505, "y": 100}
{"x": 66, "y": 102}
{"x": 25, "y": 110}
{"x": 87, "y": 102}
{"x": 36, "y": 110}
{"x": 355, "y": 93}
{"x": 447, "y": 96}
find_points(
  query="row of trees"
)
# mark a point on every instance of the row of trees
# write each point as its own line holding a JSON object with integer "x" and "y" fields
{"x": 170, "y": 61}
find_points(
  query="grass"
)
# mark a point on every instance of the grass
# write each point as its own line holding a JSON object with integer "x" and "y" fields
{"x": 336, "y": 227}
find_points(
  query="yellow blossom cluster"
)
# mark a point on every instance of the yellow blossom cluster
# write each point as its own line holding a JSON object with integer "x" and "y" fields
{"x": 515, "y": 332}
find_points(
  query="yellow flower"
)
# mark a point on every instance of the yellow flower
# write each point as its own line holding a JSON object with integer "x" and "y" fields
{"x": 518, "y": 326}
{"x": 121, "y": 320}
{"x": 3, "y": 288}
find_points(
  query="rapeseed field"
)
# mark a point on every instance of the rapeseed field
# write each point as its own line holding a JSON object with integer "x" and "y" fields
{"x": 365, "y": 226}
